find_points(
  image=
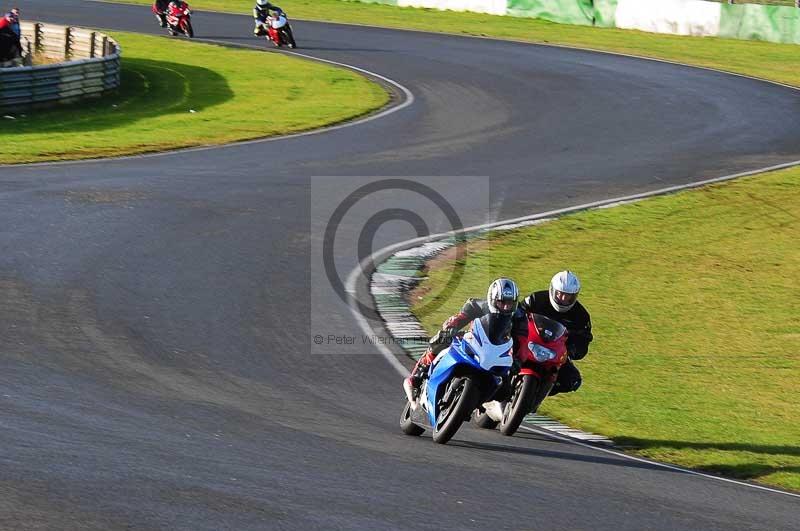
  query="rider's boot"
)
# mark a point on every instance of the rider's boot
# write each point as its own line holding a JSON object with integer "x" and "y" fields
{"x": 413, "y": 383}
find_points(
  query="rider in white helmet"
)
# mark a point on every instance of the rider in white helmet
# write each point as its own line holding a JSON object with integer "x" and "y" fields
{"x": 260, "y": 14}
{"x": 560, "y": 303}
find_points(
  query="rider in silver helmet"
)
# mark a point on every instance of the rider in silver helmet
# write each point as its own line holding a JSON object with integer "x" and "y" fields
{"x": 260, "y": 14}
{"x": 499, "y": 306}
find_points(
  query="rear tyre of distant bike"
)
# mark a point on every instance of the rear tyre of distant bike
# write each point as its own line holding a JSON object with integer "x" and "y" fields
{"x": 290, "y": 37}
{"x": 523, "y": 397}
{"x": 463, "y": 397}
{"x": 408, "y": 427}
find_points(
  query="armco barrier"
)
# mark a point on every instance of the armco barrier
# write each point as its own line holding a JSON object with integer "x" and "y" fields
{"x": 90, "y": 66}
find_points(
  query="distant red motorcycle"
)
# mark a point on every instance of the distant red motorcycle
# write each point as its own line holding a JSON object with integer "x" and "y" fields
{"x": 279, "y": 31}
{"x": 539, "y": 355}
{"x": 179, "y": 19}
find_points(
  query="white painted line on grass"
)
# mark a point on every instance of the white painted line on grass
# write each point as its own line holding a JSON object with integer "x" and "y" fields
{"x": 408, "y": 100}
{"x": 385, "y": 252}
{"x": 655, "y": 463}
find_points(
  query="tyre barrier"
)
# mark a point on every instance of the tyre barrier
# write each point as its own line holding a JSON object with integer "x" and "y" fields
{"x": 88, "y": 67}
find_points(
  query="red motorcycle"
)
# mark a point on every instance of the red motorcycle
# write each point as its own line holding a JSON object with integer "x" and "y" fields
{"x": 179, "y": 19}
{"x": 279, "y": 31}
{"x": 539, "y": 355}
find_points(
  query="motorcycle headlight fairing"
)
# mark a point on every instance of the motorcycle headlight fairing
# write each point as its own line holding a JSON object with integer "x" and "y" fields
{"x": 542, "y": 354}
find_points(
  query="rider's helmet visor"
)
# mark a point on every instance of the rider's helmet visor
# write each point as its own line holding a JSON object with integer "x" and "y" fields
{"x": 504, "y": 306}
{"x": 564, "y": 298}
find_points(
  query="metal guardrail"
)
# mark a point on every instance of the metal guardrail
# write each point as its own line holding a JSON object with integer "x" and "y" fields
{"x": 90, "y": 66}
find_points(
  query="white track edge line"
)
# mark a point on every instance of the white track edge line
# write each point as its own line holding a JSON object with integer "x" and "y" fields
{"x": 552, "y": 435}
{"x": 408, "y": 100}
{"x": 391, "y": 358}
{"x": 407, "y": 92}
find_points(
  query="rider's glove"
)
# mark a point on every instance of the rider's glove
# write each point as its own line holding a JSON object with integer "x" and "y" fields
{"x": 443, "y": 337}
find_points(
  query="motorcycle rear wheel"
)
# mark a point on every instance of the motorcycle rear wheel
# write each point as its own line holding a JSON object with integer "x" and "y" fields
{"x": 290, "y": 38}
{"x": 408, "y": 427}
{"x": 522, "y": 400}
{"x": 465, "y": 399}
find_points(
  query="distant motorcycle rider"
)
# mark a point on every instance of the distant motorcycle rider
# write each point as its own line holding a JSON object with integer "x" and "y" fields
{"x": 260, "y": 14}
{"x": 560, "y": 303}
{"x": 177, "y": 6}
{"x": 500, "y": 305}
{"x": 160, "y": 9}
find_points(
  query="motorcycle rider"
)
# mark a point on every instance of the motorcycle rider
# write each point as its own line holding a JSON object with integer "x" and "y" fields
{"x": 177, "y": 5}
{"x": 560, "y": 303}
{"x": 260, "y": 14}
{"x": 160, "y": 8}
{"x": 500, "y": 305}
{"x": 175, "y": 10}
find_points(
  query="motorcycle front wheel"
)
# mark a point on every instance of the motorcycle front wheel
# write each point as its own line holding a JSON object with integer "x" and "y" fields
{"x": 408, "y": 427}
{"x": 188, "y": 29}
{"x": 522, "y": 399}
{"x": 464, "y": 396}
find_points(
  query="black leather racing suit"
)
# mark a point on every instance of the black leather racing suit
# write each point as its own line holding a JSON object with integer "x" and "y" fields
{"x": 579, "y": 330}
{"x": 260, "y": 14}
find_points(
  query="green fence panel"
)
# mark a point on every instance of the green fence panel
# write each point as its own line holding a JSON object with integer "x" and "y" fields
{"x": 387, "y": 2}
{"x": 760, "y": 23}
{"x": 604, "y": 13}
{"x": 561, "y": 11}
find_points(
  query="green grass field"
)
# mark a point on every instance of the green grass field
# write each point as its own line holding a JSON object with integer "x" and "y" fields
{"x": 163, "y": 81}
{"x": 694, "y": 304}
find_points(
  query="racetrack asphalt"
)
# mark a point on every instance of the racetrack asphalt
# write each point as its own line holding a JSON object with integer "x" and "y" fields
{"x": 156, "y": 314}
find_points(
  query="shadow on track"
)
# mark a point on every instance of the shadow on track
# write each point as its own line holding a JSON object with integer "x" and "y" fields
{"x": 555, "y": 454}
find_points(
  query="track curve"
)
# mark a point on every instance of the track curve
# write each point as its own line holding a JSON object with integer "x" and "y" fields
{"x": 153, "y": 377}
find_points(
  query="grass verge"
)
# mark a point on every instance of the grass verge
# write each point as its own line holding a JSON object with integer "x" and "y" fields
{"x": 778, "y": 62}
{"x": 162, "y": 85}
{"x": 697, "y": 351}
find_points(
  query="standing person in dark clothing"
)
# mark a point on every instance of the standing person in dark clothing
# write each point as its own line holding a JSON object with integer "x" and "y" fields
{"x": 10, "y": 35}
{"x": 560, "y": 303}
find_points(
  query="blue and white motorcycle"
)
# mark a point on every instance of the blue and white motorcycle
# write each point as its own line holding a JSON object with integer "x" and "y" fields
{"x": 468, "y": 373}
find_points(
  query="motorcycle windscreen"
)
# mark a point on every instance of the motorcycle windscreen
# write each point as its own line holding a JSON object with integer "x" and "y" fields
{"x": 487, "y": 353}
{"x": 549, "y": 330}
